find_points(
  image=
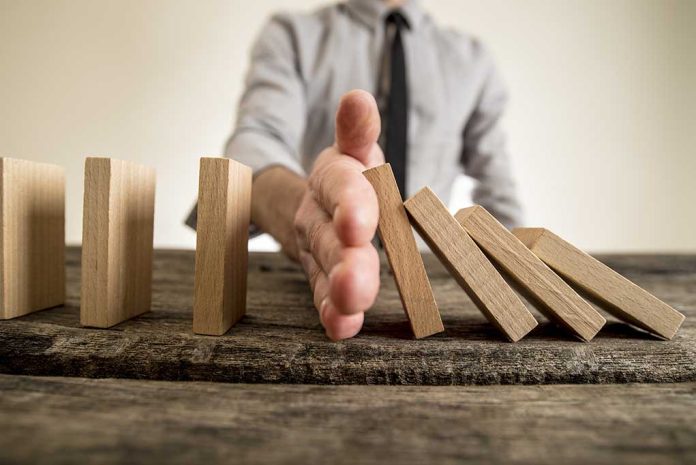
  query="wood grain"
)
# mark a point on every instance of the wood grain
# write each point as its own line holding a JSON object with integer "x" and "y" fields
{"x": 471, "y": 269}
{"x": 224, "y": 205}
{"x": 556, "y": 299}
{"x": 404, "y": 258}
{"x": 616, "y": 294}
{"x": 118, "y": 215}
{"x": 280, "y": 340}
{"x": 32, "y": 237}
{"x": 64, "y": 420}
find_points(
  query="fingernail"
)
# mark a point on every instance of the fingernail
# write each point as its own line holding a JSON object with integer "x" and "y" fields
{"x": 325, "y": 308}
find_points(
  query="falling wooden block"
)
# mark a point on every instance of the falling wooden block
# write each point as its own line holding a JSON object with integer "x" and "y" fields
{"x": 224, "y": 206}
{"x": 469, "y": 266}
{"x": 465, "y": 261}
{"x": 32, "y": 237}
{"x": 402, "y": 253}
{"x": 616, "y": 294}
{"x": 118, "y": 215}
{"x": 559, "y": 302}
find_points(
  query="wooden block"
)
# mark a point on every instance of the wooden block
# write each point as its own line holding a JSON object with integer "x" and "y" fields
{"x": 559, "y": 302}
{"x": 224, "y": 206}
{"x": 402, "y": 253}
{"x": 118, "y": 215}
{"x": 32, "y": 237}
{"x": 465, "y": 261}
{"x": 616, "y": 294}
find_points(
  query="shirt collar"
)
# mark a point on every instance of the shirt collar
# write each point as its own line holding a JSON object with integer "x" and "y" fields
{"x": 374, "y": 12}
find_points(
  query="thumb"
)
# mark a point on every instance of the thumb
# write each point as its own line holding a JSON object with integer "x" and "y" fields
{"x": 358, "y": 126}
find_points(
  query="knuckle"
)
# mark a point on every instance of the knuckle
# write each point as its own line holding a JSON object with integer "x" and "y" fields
{"x": 318, "y": 177}
{"x": 310, "y": 269}
{"x": 322, "y": 160}
{"x": 298, "y": 222}
{"x": 313, "y": 275}
{"x": 315, "y": 234}
{"x": 300, "y": 219}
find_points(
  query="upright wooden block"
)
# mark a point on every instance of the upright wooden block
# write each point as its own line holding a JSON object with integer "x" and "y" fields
{"x": 118, "y": 215}
{"x": 402, "y": 253}
{"x": 224, "y": 206}
{"x": 32, "y": 237}
{"x": 465, "y": 261}
{"x": 559, "y": 302}
{"x": 618, "y": 295}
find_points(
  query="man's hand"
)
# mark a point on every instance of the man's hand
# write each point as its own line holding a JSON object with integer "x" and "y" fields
{"x": 337, "y": 220}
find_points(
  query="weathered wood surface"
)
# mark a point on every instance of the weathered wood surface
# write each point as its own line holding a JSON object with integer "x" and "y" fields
{"x": 280, "y": 340}
{"x": 77, "y": 420}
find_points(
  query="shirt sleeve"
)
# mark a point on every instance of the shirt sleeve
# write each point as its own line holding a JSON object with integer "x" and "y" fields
{"x": 272, "y": 110}
{"x": 484, "y": 155}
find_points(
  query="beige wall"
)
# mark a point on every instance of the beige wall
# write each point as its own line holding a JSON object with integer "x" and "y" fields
{"x": 602, "y": 121}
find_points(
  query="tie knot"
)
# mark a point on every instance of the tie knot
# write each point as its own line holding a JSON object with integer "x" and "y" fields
{"x": 398, "y": 19}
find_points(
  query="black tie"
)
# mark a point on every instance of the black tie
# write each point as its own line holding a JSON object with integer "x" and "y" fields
{"x": 397, "y": 106}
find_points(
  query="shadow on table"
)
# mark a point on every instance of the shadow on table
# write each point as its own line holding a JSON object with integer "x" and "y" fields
{"x": 475, "y": 330}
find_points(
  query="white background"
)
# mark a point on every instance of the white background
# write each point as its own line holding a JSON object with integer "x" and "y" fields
{"x": 602, "y": 121}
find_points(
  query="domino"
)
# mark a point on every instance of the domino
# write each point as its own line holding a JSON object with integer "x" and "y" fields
{"x": 32, "y": 237}
{"x": 619, "y": 296}
{"x": 469, "y": 266}
{"x": 559, "y": 302}
{"x": 118, "y": 215}
{"x": 402, "y": 253}
{"x": 224, "y": 206}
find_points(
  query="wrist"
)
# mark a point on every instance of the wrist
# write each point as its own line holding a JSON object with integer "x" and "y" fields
{"x": 276, "y": 195}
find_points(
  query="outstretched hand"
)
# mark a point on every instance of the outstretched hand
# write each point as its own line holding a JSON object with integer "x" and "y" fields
{"x": 337, "y": 220}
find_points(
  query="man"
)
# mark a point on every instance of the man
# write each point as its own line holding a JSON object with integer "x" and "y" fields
{"x": 440, "y": 102}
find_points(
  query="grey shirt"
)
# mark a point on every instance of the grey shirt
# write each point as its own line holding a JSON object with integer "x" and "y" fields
{"x": 302, "y": 63}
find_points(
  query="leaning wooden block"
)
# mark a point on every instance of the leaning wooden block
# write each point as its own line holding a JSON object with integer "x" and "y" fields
{"x": 403, "y": 255}
{"x": 32, "y": 237}
{"x": 224, "y": 206}
{"x": 465, "y": 261}
{"x": 118, "y": 215}
{"x": 559, "y": 302}
{"x": 618, "y": 295}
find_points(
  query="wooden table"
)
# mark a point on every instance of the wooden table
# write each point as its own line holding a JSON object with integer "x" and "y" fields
{"x": 274, "y": 389}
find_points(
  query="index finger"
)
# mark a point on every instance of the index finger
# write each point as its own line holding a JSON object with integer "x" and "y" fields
{"x": 340, "y": 188}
